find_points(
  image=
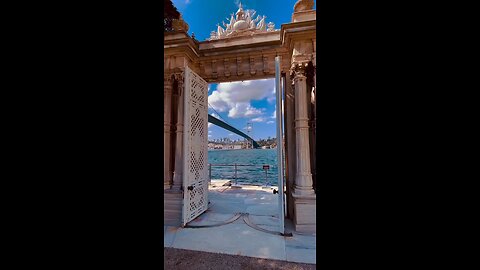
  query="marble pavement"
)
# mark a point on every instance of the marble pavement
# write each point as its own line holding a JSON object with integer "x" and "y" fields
{"x": 237, "y": 238}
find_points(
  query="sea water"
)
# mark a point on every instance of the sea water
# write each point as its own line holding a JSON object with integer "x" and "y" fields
{"x": 254, "y": 175}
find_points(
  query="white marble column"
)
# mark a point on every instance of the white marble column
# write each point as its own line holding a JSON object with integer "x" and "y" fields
{"x": 167, "y": 125}
{"x": 178, "y": 172}
{"x": 303, "y": 178}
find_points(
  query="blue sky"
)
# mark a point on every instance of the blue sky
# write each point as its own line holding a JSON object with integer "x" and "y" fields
{"x": 202, "y": 16}
{"x": 237, "y": 102}
{"x": 240, "y": 102}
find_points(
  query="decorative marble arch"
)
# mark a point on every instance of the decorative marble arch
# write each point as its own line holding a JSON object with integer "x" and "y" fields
{"x": 245, "y": 50}
{"x": 242, "y": 24}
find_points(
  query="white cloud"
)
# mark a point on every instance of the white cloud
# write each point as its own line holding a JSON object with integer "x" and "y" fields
{"x": 270, "y": 122}
{"x": 231, "y": 134}
{"x": 244, "y": 91}
{"x": 259, "y": 119}
{"x": 209, "y": 132}
{"x": 243, "y": 110}
{"x": 236, "y": 97}
{"x": 210, "y": 124}
{"x": 187, "y": 1}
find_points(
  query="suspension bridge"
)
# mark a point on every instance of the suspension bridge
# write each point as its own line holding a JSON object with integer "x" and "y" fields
{"x": 222, "y": 124}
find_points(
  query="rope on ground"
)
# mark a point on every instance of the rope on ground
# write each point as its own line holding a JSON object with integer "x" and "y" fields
{"x": 245, "y": 219}
{"x": 256, "y": 227}
{"x": 232, "y": 219}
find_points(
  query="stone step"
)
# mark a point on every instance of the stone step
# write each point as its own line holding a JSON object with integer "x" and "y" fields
{"x": 177, "y": 206}
{"x": 172, "y": 217}
{"x": 172, "y": 205}
{"x": 172, "y": 211}
{"x": 173, "y": 202}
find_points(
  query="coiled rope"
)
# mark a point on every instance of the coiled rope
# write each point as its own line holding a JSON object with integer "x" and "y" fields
{"x": 230, "y": 220}
{"x": 245, "y": 219}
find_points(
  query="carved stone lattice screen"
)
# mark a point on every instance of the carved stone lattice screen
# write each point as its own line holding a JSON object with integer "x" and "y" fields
{"x": 195, "y": 182}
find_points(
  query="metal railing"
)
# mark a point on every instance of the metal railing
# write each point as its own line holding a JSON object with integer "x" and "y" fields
{"x": 236, "y": 165}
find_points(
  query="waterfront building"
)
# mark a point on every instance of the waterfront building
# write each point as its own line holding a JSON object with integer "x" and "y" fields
{"x": 215, "y": 145}
{"x": 245, "y": 50}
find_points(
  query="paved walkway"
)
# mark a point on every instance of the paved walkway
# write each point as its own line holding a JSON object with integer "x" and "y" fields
{"x": 237, "y": 238}
{"x": 181, "y": 259}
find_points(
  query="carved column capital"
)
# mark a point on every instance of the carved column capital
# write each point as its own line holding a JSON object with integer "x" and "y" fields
{"x": 302, "y": 70}
{"x": 178, "y": 77}
{"x": 298, "y": 70}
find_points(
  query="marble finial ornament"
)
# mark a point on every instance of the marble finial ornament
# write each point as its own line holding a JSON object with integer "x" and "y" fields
{"x": 242, "y": 23}
{"x": 262, "y": 25}
{"x": 302, "y": 5}
{"x": 271, "y": 27}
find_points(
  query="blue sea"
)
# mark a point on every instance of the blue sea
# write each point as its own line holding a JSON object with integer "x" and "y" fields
{"x": 254, "y": 175}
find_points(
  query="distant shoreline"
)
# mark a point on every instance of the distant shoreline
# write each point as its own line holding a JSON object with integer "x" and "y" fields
{"x": 239, "y": 149}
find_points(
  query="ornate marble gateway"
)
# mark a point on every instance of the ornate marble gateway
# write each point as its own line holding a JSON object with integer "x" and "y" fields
{"x": 242, "y": 24}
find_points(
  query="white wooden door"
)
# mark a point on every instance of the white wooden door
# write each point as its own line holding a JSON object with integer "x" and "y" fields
{"x": 195, "y": 165}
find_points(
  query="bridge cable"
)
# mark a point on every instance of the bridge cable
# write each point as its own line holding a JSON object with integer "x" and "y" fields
{"x": 218, "y": 113}
{"x": 220, "y": 116}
